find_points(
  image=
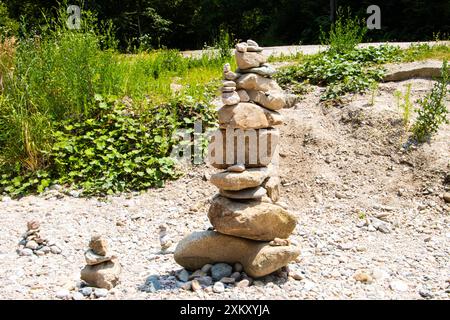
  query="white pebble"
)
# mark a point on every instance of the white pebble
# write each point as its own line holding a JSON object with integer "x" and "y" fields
{"x": 218, "y": 287}
{"x": 100, "y": 293}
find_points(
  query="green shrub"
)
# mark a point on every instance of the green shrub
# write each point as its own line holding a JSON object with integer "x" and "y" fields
{"x": 433, "y": 111}
{"x": 123, "y": 148}
{"x": 345, "y": 34}
{"x": 8, "y": 26}
{"x": 224, "y": 43}
{"x": 117, "y": 151}
{"x": 350, "y": 72}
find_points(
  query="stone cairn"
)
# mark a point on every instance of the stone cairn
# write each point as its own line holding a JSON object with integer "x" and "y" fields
{"x": 250, "y": 229}
{"x": 33, "y": 243}
{"x": 102, "y": 269}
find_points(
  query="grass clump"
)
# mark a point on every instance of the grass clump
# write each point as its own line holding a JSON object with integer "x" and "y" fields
{"x": 345, "y": 34}
{"x": 406, "y": 106}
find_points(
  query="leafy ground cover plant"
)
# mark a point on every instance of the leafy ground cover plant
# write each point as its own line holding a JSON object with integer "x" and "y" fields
{"x": 433, "y": 109}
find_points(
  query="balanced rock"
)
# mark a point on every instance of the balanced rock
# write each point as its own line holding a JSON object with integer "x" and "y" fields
{"x": 228, "y": 89}
{"x": 247, "y": 60}
{"x": 234, "y": 181}
{"x": 253, "y": 149}
{"x": 252, "y": 219}
{"x": 273, "y": 100}
{"x": 264, "y": 70}
{"x": 229, "y": 84}
{"x": 228, "y": 74}
{"x": 230, "y": 98}
{"x": 236, "y": 168}
{"x": 257, "y": 258}
{"x": 102, "y": 269}
{"x": 243, "y": 95}
{"x": 252, "y": 81}
{"x": 241, "y": 47}
{"x": 248, "y": 116}
{"x": 254, "y": 49}
{"x": 272, "y": 186}
{"x": 250, "y": 193}
{"x": 103, "y": 275}
{"x": 99, "y": 245}
{"x": 92, "y": 258}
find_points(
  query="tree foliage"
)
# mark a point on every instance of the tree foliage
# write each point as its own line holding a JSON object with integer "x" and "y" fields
{"x": 189, "y": 24}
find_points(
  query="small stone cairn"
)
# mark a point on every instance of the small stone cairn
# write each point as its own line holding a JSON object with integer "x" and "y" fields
{"x": 33, "y": 243}
{"x": 102, "y": 269}
{"x": 250, "y": 229}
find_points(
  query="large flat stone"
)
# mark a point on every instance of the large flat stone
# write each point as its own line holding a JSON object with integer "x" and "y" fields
{"x": 251, "y": 219}
{"x": 245, "y": 194}
{"x": 247, "y": 60}
{"x": 273, "y": 100}
{"x": 235, "y": 181}
{"x": 265, "y": 70}
{"x": 254, "y": 148}
{"x": 428, "y": 69}
{"x": 248, "y": 116}
{"x": 257, "y": 258}
{"x": 252, "y": 81}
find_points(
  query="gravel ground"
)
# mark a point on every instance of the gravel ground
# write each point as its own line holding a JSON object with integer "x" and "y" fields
{"x": 372, "y": 220}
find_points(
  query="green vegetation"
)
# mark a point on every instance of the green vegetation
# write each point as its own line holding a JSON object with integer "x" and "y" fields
{"x": 373, "y": 93}
{"x": 433, "y": 108}
{"x": 425, "y": 51}
{"x": 406, "y": 106}
{"x": 55, "y": 129}
{"x": 345, "y": 34}
{"x": 342, "y": 73}
{"x": 189, "y": 24}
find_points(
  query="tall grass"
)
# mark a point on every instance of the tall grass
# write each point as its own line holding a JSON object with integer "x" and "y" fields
{"x": 345, "y": 34}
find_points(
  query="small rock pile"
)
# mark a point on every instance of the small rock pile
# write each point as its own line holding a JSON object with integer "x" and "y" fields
{"x": 102, "y": 269}
{"x": 33, "y": 243}
{"x": 250, "y": 228}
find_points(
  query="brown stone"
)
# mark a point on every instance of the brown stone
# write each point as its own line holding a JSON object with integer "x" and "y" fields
{"x": 252, "y": 81}
{"x": 92, "y": 258}
{"x": 257, "y": 258}
{"x": 99, "y": 245}
{"x": 273, "y": 100}
{"x": 244, "y": 194}
{"x": 103, "y": 275}
{"x": 234, "y": 181}
{"x": 247, "y": 60}
{"x": 33, "y": 225}
{"x": 247, "y": 116}
{"x": 251, "y": 219}
{"x": 272, "y": 185}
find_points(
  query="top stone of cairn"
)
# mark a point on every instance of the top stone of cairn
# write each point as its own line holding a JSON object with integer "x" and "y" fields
{"x": 249, "y": 55}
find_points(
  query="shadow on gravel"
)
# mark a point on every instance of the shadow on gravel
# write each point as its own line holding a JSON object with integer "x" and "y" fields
{"x": 169, "y": 282}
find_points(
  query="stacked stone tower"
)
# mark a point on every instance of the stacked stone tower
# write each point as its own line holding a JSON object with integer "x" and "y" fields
{"x": 249, "y": 226}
